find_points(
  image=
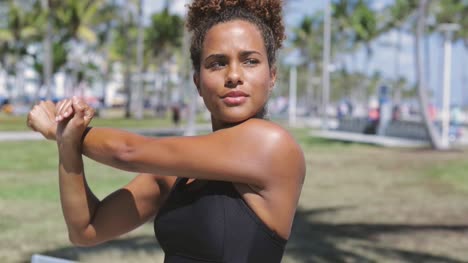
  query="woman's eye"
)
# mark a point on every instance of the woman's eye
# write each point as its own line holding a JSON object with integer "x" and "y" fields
{"x": 217, "y": 64}
{"x": 251, "y": 61}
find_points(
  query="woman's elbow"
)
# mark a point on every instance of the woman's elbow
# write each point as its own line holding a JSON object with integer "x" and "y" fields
{"x": 81, "y": 240}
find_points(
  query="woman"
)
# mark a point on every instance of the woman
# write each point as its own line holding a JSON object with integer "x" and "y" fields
{"x": 229, "y": 196}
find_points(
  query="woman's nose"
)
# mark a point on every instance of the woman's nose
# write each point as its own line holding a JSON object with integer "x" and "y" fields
{"x": 234, "y": 76}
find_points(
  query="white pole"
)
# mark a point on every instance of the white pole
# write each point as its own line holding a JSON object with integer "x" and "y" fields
{"x": 326, "y": 65}
{"x": 292, "y": 95}
{"x": 190, "y": 129}
{"x": 47, "y": 42}
{"x": 446, "y": 90}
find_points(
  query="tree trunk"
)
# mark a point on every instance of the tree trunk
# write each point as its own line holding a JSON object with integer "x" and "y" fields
{"x": 464, "y": 89}
{"x": 138, "y": 99}
{"x": 190, "y": 129}
{"x": 421, "y": 77}
{"x": 127, "y": 71}
{"x": 47, "y": 42}
{"x": 128, "y": 89}
{"x": 310, "y": 87}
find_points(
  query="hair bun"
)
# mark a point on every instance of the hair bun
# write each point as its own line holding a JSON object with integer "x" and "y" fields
{"x": 269, "y": 11}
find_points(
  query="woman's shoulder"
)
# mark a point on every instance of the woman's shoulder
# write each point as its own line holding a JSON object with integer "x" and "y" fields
{"x": 282, "y": 152}
{"x": 267, "y": 130}
{"x": 271, "y": 136}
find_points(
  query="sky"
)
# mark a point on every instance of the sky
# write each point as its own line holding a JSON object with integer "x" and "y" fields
{"x": 383, "y": 59}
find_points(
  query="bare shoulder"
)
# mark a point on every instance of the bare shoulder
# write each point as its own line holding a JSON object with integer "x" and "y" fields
{"x": 271, "y": 134}
{"x": 279, "y": 146}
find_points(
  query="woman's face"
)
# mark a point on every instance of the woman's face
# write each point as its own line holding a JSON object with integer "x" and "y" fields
{"x": 235, "y": 78}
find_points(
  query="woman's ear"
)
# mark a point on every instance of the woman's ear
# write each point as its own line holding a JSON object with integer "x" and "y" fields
{"x": 196, "y": 80}
{"x": 272, "y": 78}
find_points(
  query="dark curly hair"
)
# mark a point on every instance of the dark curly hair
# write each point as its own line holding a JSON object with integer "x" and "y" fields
{"x": 265, "y": 14}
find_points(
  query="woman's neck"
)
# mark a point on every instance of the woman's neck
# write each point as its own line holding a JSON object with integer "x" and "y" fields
{"x": 219, "y": 125}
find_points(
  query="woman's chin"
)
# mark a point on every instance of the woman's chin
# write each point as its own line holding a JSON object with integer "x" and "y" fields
{"x": 236, "y": 118}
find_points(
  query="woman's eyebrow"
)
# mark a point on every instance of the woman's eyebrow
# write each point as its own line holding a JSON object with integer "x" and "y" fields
{"x": 245, "y": 53}
{"x": 248, "y": 53}
{"x": 215, "y": 57}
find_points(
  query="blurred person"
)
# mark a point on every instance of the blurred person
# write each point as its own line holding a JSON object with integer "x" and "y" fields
{"x": 6, "y": 107}
{"x": 373, "y": 117}
{"x": 229, "y": 196}
{"x": 455, "y": 131}
{"x": 175, "y": 113}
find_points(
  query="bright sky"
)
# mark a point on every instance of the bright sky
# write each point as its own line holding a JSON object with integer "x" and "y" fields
{"x": 384, "y": 57}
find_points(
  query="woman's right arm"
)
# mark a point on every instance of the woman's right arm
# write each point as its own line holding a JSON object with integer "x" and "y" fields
{"x": 89, "y": 220}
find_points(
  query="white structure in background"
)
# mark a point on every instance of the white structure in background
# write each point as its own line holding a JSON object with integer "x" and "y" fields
{"x": 447, "y": 30}
{"x": 37, "y": 258}
{"x": 292, "y": 95}
{"x": 3, "y": 86}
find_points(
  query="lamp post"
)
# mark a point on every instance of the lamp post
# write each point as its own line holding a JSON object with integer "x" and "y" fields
{"x": 326, "y": 64}
{"x": 447, "y": 30}
{"x": 292, "y": 95}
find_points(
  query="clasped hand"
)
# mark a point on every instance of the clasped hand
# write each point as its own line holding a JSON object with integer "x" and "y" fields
{"x": 64, "y": 122}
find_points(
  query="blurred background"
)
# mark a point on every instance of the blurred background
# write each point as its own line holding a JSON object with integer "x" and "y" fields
{"x": 375, "y": 91}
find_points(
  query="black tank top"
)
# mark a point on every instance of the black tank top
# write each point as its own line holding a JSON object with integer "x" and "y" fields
{"x": 208, "y": 221}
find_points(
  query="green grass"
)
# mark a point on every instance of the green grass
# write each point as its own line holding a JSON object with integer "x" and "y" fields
{"x": 29, "y": 172}
{"x": 28, "y": 156}
{"x": 446, "y": 167}
{"x": 12, "y": 123}
{"x": 307, "y": 141}
{"x": 452, "y": 172}
{"x": 18, "y": 123}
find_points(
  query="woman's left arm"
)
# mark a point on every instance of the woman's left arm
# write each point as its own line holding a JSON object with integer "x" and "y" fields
{"x": 251, "y": 153}
{"x": 254, "y": 152}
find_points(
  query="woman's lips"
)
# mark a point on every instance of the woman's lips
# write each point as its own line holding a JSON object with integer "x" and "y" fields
{"x": 234, "y": 98}
{"x": 234, "y": 101}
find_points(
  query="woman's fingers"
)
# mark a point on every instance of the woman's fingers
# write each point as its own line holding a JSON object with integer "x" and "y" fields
{"x": 86, "y": 112}
{"x": 64, "y": 110}
{"x": 67, "y": 108}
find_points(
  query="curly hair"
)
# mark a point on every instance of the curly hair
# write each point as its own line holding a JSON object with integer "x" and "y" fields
{"x": 265, "y": 14}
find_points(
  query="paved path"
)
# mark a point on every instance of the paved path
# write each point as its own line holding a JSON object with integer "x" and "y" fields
{"x": 20, "y": 136}
{"x": 384, "y": 141}
{"x": 370, "y": 139}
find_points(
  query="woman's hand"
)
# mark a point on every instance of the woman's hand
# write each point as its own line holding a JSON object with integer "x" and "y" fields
{"x": 73, "y": 117}
{"x": 42, "y": 119}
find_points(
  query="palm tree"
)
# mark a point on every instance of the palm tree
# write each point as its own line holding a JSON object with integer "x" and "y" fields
{"x": 140, "y": 51}
{"x": 164, "y": 34}
{"x": 58, "y": 58}
{"x": 308, "y": 37}
{"x": 20, "y": 30}
{"x": 163, "y": 38}
{"x": 123, "y": 46}
{"x": 77, "y": 23}
{"x": 397, "y": 15}
{"x": 47, "y": 69}
{"x": 357, "y": 24}
{"x": 105, "y": 37}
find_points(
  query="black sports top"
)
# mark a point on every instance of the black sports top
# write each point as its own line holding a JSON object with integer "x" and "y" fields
{"x": 208, "y": 221}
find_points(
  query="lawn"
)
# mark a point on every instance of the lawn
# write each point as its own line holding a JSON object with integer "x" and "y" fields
{"x": 359, "y": 204}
